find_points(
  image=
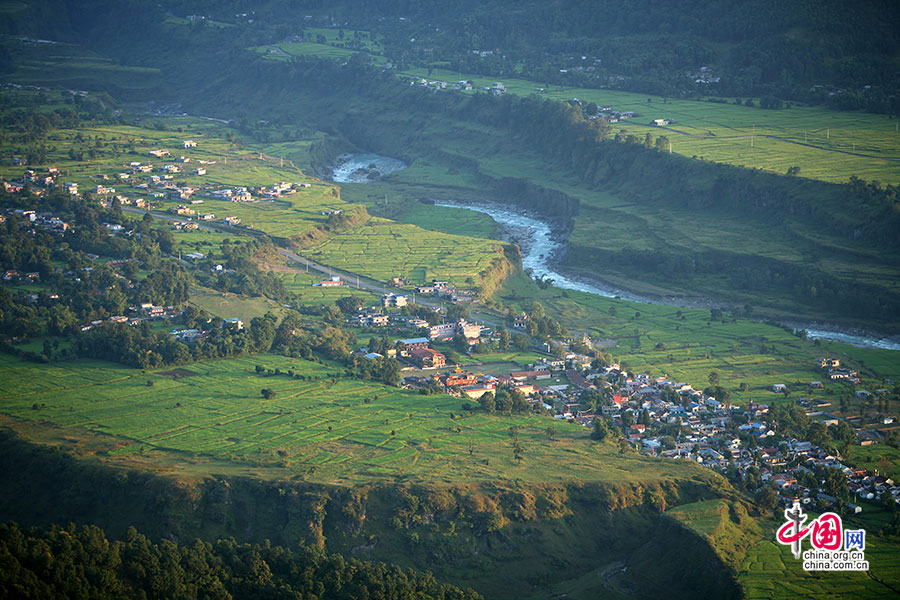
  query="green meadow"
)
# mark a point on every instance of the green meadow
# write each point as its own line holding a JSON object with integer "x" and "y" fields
{"x": 324, "y": 427}
{"x": 49, "y": 63}
{"x": 724, "y": 524}
{"x": 379, "y": 248}
{"x": 766, "y": 569}
{"x": 228, "y": 305}
{"x": 115, "y": 146}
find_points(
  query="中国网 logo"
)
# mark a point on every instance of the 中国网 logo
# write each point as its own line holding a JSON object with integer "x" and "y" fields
{"x": 833, "y": 547}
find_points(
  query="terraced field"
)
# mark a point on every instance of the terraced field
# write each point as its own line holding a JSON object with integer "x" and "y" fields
{"x": 770, "y": 571}
{"x": 301, "y": 284}
{"x": 324, "y": 427}
{"x": 383, "y": 249}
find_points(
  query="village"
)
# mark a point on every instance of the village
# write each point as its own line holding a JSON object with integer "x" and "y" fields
{"x": 658, "y": 416}
{"x": 158, "y": 184}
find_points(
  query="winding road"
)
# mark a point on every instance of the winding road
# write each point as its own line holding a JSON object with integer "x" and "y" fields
{"x": 362, "y": 282}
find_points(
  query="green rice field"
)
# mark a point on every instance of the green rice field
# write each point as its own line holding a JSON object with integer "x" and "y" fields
{"x": 383, "y": 249}
{"x": 324, "y": 427}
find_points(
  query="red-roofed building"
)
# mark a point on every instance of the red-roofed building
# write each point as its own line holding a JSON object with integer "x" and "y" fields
{"x": 427, "y": 358}
{"x": 461, "y": 379}
{"x": 578, "y": 379}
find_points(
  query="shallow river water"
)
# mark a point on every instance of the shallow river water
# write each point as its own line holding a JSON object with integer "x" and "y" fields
{"x": 538, "y": 246}
{"x": 365, "y": 168}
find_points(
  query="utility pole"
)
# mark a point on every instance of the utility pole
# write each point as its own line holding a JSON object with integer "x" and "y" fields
{"x": 753, "y": 135}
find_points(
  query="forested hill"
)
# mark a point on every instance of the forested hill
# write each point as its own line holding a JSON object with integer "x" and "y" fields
{"x": 758, "y": 47}
{"x": 83, "y": 563}
{"x": 839, "y": 54}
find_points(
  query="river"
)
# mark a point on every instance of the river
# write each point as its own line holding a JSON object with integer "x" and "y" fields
{"x": 365, "y": 168}
{"x": 538, "y": 245}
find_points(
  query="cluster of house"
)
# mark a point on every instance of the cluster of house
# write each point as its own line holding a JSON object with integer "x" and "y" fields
{"x": 497, "y": 89}
{"x": 139, "y": 313}
{"x": 834, "y": 370}
{"x": 465, "y": 384}
{"x": 443, "y": 289}
{"x": 713, "y": 441}
{"x": 375, "y": 317}
{"x": 43, "y": 220}
{"x": 703, "y": 75}
{"x": 721, "y": 436}
{"x": 790, "y": 464}
{"x": 12, "y": 275}
{"x": 47, "y": 179}
{"x": 237, "y": 194}
{"x": 189, "y": 336}
{"x": 610, "y": 115}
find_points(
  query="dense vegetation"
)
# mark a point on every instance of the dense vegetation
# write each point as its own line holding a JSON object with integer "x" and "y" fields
{"x": 70, "y": 562}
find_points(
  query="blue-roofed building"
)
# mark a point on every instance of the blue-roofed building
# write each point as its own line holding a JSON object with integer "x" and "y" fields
{"x": 419, "y": 342}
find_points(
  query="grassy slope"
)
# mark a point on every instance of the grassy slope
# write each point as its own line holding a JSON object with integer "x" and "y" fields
{"x": 766, "y": 569}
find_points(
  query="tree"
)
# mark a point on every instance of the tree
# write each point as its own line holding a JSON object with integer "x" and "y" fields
{"x": 518, "y": 450}
{"x": 767, "y": 499}
{"x": 460, "y": 343}
{"x": 817, "y": 434}
{"x": 505, "y": 340}
{"x": 349, "y": 304}
{"x": 267, "y": 393}
{"x": 600, "y": 430}
{"x": 713, "y": 378}
{"x": 487, "y": 402}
